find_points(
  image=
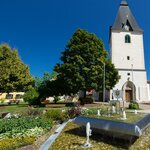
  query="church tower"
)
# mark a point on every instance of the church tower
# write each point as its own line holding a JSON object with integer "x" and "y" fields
{"x": 127, "y": 54}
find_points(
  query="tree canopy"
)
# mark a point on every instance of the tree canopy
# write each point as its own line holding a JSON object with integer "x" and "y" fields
{"x": 82, "y": 66}
{"x": 14, "y": 74}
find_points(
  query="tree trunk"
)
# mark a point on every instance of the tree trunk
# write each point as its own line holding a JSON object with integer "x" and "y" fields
{"x": 84, "y": 94}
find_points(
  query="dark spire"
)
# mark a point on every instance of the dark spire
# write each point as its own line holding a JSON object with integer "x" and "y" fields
{"x": 125, "y": 20}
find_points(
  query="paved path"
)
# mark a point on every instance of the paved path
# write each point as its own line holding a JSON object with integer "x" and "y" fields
{"x": 53, "y": 137}
{"x": 144, "y": 107}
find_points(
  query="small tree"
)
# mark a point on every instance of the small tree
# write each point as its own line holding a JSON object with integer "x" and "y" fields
{"x": 31, "y": 96}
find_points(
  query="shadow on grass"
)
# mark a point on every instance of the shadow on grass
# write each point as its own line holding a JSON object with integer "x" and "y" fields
{"x": 119, "y": 141}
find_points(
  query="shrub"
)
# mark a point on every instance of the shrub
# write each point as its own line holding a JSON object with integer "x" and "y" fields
{"x": 72, "y": 104}
{"x": 31, "y": 96}
{"x": 92, "y": 111}
{"x": 133, "y": 105}
{"x": 86, "y": 100}
{"x": 30, "y": 111}
{"x": 56, "y": 99}
{"x": 74, "y": 111}
{"x": 56, "y": 115}
{"x": 11, "y": 144}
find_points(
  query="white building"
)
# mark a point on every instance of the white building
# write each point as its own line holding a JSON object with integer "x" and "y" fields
{"x": 127, "y": 54}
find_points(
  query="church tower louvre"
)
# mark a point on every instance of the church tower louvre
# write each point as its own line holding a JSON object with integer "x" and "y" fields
{"x": 127, "y": 54}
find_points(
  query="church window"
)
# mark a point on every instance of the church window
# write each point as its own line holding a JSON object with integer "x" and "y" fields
{"x": 127, "y": 39}
{"x": 128, "y": 74}
{"x": 128, "y": 57}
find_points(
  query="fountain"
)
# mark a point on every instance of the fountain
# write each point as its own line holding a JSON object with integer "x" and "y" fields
{"x": 99, "y": 112}
{"x": 124, "y": 115}
{"x": 135, "y": 112}
{"x": 113, "y": 109}
{"x": 108, "y": 112}
{"x": 88, "y": 134}
{"x": 116, "y": 128}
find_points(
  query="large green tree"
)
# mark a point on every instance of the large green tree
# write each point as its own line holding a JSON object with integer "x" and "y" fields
{"x": 14, "y": 74}
{"x": 82, "y": 66}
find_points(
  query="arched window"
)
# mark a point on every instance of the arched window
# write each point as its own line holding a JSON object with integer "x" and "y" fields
{"x": 127, "y": 39}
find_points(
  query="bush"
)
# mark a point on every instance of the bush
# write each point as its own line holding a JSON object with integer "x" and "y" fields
{"x": 57, "y": 115}
{"x": 133, "y": 105}
{"x": 86, "y": 101}
{"x": 11, "y": 144}
{"x": 30, "y": 111}
{"x": 74, "y": 111}
{"x": 31, "y": 96}
{"x": 71, "y": 104}
{"x": 56, "y": 99}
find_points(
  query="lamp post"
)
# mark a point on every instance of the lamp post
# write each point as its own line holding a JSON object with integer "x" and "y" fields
{"x": 104, "y": 84}
{"x": 132, "y": 83}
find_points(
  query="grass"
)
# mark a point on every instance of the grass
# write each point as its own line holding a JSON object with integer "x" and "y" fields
{"x": 131, "y": 117}
{"x": 73, "y": 138}
{"x": 13, "y": 108}
{"x": 21, "y": 107}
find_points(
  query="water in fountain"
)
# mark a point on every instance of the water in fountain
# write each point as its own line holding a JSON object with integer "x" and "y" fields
{"x": 88, "y": 134}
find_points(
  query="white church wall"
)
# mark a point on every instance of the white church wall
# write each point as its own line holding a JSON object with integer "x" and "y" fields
{"x": 148, "y": 90}
{"x": 120, "y": 50}
{"x": 143, "y": 94}
{"x": 139, "y": 80}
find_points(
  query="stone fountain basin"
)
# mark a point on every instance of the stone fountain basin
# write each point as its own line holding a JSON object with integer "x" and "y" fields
{"x": 116, "y": 127}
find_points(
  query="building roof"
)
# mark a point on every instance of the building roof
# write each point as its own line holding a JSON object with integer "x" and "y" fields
{"x": 125, "y": 17}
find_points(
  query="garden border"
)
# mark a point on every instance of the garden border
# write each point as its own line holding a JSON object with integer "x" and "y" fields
{"x": 47, "y": 144}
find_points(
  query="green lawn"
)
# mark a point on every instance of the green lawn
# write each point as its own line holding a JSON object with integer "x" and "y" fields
{"x": 131, "y": 117}
{"x": 13, "y": 108}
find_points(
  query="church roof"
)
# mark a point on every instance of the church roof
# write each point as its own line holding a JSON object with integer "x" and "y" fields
{"x": 125, "y": 17}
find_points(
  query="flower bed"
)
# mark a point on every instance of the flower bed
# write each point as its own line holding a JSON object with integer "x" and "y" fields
{"x": 17, "y": 132}
{"x": 13, "y": 143}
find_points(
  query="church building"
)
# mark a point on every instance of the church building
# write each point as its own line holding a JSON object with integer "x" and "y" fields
{"x": 127, "y": 54}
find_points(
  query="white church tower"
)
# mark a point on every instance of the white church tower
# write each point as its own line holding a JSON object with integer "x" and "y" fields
{"x": 127, "y": 54}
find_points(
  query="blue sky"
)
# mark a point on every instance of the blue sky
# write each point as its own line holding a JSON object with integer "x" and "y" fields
{"x": 40, "y": 29}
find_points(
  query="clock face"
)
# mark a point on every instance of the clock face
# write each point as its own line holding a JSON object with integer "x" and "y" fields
{"x": 126, "y": 27}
